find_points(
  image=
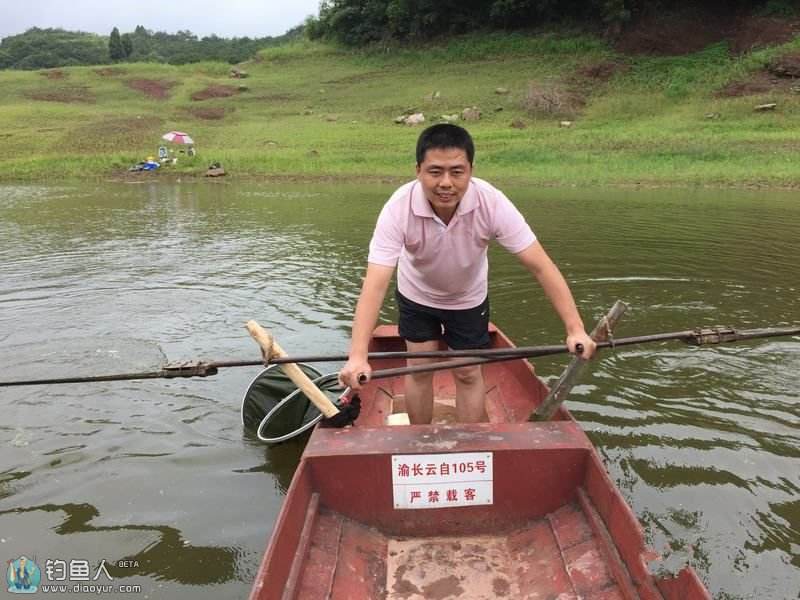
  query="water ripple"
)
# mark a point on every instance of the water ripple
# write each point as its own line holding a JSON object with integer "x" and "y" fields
{"x": 701, "y": 441}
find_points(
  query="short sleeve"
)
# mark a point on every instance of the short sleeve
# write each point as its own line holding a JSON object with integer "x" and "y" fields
{"x": 510, "y": 228}
{"x": 387, "y": 239}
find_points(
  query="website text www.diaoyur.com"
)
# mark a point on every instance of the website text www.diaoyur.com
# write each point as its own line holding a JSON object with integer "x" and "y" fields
{"x": 89, "y": 588}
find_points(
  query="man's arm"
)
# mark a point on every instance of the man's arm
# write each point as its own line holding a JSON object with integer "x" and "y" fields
{"x": 373, "y": 291}
{"x": 555, "y": 287}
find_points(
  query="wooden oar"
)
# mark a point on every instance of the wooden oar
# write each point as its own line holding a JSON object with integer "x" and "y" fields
{"x": 206, "y": 368}
{"x": 271, "y": 348}
{"x": 602, "y": 332}
{"x": 333, "y": 417}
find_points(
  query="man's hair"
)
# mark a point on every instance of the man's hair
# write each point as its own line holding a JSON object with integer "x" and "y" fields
{"x": 445, "y": 135}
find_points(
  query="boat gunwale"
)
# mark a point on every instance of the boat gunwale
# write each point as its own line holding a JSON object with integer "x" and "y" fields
{"x": 610, "y": 516}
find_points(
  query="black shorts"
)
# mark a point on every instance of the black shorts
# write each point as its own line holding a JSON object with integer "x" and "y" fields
{"x": 465, "y": 329}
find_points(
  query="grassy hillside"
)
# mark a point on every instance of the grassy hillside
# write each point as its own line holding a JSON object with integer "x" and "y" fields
{"x": 312, "y": 110}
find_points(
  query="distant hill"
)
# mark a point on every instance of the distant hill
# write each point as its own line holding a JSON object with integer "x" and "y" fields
{"x": 356, "y": 23}
{"x": 546, "y": 107}
{"x": 49, "y": 48}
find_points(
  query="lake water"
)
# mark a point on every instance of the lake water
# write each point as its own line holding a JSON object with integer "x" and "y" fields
{"x": 703, "y": 443}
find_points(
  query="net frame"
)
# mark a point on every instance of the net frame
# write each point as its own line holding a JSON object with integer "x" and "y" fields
{"x": 320, "y": 381}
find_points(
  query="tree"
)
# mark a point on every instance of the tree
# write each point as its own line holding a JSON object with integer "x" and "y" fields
{"x": 115, "y": 48}
{"x": 43, "y": 48}
{"x": 358, "y": 22}
{"x": 127, "y": 44}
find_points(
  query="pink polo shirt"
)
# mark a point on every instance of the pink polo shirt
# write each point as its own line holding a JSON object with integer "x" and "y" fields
{"x": 446, "y": 266}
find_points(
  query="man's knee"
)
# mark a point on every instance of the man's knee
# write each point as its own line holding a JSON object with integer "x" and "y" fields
{"x": 421, "y": 378}
{"x": 467, "y": 375}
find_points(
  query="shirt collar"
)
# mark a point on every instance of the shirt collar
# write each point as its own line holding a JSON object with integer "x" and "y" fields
{"x": 422, "y": 208}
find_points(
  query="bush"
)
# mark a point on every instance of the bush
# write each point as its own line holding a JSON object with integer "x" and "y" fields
{"x": 551, "y": 99}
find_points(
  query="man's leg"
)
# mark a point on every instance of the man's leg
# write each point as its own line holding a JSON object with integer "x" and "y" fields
{"x": 420, "y": 323}
{"x": 419, "y": 386}
{"x": 470, "y": 395}
{"x": 463, "y": 330}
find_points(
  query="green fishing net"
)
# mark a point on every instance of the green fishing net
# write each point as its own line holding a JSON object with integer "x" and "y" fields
{"x": 276, "y": 410}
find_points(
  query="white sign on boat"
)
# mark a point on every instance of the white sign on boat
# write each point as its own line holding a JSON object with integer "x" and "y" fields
{"x": 442, "y": 480}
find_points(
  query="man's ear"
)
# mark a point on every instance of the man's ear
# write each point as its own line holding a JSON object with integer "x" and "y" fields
{"x": 418, "y": 169}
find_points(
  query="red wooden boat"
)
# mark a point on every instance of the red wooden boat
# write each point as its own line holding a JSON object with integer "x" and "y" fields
{"x": 505, "y": 509}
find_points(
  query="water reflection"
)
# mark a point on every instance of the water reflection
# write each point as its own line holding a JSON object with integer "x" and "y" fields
{"x": 170, "y": 557}
{"x": 280, "y": 460}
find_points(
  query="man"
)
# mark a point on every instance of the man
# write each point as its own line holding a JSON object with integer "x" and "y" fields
{"x": 436, "y": 231}
{"x": 22, "y": 578}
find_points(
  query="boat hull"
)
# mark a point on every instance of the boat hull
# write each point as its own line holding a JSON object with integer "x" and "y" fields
{"x": 551, "y": 524}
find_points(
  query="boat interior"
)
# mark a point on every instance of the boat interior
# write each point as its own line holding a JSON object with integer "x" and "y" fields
{"x": 556, "y": 527}
{"x": 513, "y": 390}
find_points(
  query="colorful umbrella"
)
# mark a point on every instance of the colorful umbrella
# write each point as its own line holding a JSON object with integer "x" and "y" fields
{"x": 178, "y": 137}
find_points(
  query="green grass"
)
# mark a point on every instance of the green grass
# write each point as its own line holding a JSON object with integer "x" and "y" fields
{"x": 315, "y": 110}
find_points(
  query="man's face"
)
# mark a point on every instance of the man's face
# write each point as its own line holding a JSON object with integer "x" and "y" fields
{"x": 444, "y": 175}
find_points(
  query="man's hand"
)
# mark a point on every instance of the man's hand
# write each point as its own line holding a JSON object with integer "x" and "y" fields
{"x": 581, "y": 337}
{"x": 354, "y": 368}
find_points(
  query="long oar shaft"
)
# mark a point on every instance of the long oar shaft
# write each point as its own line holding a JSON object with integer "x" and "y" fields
{"x": 88, "y": 379}
{"x": 204, "y": 369}
{"x": 193, "y": 369}
{"x": 695, "y": 337}
{"x": 698, "y": 337}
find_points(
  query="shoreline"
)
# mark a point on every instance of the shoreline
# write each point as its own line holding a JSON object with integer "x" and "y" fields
{"x": 125, "y": 177}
